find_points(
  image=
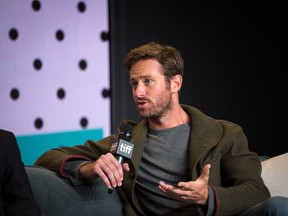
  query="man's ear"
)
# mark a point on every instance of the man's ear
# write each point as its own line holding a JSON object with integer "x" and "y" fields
{"x": 176, "y": 83}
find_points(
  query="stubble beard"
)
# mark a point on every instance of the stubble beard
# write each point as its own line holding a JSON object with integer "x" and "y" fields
{"x": 159, "y": 109}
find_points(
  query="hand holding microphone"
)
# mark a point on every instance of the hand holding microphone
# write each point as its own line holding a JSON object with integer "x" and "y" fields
{"x": 123, "y": 148}
{"x": 109, "y": 166}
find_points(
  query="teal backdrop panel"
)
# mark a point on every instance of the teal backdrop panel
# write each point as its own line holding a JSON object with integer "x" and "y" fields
{"x": 32, "y": 146}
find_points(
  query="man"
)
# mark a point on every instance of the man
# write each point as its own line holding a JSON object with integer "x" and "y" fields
{"x": 16, "y": 196}
{"x": 184, "y": 162}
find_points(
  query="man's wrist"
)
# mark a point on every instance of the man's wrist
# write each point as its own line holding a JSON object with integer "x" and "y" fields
{"x": 84, "y": 171}
{"x": 209, "y": 208}
{"x": 72, "y": 167}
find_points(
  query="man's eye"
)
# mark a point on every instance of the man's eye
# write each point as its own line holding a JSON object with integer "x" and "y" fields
{"x": 133, "y": 83}
{"x": 148, "y": 81}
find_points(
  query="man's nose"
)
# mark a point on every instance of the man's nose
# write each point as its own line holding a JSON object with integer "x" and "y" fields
{"x": 139, "y": 90}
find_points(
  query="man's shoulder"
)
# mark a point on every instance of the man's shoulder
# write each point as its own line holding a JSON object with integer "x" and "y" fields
{"x": 4, "y": 132}
{"x": 204, "y": 124}
{"x": 6, "y": 136}
{"x": 196, "y": 113}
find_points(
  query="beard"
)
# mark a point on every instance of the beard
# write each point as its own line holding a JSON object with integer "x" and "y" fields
{"x": 157, "y": 109}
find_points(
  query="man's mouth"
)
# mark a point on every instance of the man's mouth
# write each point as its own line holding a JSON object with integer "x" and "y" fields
{"x": 141, "y": 104}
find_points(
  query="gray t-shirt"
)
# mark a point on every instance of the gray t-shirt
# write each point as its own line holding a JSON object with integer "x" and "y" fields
{"x": 165, "y": 158}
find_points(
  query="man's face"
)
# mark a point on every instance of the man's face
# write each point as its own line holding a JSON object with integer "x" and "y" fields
{"x": 152, "y": 94}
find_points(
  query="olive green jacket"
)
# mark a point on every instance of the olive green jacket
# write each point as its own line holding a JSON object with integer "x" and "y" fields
{"x": 235, "y": 174}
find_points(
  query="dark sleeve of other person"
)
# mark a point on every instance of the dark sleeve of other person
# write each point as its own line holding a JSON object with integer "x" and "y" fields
{"x": 16, "y": 196}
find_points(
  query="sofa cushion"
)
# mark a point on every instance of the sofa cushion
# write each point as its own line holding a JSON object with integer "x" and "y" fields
{"x": 275, "y": 174}
{"x": 56, "y": 196}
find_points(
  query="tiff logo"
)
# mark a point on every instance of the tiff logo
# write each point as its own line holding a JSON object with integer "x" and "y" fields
{"x": 125, "y": 148}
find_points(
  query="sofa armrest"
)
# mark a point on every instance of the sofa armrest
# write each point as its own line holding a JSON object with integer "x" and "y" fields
{"x": 57, "y": 196}
{"x": 275, "y": 174}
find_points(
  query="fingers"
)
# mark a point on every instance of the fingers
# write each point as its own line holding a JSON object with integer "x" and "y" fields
{"x": 109, "y": 170}
{"x": 192, "y": 191}
{"x": 125, "y": 167}
{"x": 172, "y": 191}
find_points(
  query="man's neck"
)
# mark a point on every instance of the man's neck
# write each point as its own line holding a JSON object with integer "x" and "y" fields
{"x": 173, "y": 118}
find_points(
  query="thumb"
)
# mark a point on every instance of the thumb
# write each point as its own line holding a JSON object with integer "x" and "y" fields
{"x": 126, "y": 167}
{"x": 205, "y": 172}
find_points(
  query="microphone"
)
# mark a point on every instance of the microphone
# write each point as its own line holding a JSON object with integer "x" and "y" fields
{"x": 123, "y": 148}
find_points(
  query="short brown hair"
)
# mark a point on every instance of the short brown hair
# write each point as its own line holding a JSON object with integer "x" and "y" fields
{"x": 169, "y": 57}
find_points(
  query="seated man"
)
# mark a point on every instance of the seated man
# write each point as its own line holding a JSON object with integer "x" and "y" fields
{"x": 16, "y": 196}
{"x": 183, "y": 163}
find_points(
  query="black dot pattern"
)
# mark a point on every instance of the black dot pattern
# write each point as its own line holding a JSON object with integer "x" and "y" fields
{"x": 61, "y": 93}
{"x": 106, "y": 93}
{"x": 83, "y": 122}
{"x": 14, "y": 94}
{"x": 59, "y": 35}
{"x": 38, "y": 123}
{"x": 81, "y": 7}
{"x": 82, "y": 64}
{"x": 105, "y": 36}
{"x": 38, "y": 62}
{"x": 36, "y": 5}
{"x": 13, "y": 34}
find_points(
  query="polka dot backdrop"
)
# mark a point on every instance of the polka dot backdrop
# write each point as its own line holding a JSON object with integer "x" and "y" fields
{"x": 54, "y": 73}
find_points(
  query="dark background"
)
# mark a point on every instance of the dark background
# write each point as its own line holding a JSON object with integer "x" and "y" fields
{"x": 235, "y": 60}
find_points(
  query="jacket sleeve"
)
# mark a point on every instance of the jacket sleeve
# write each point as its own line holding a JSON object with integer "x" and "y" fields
{"x": 240, "y": 185}
{"x": 56, "y": 158}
